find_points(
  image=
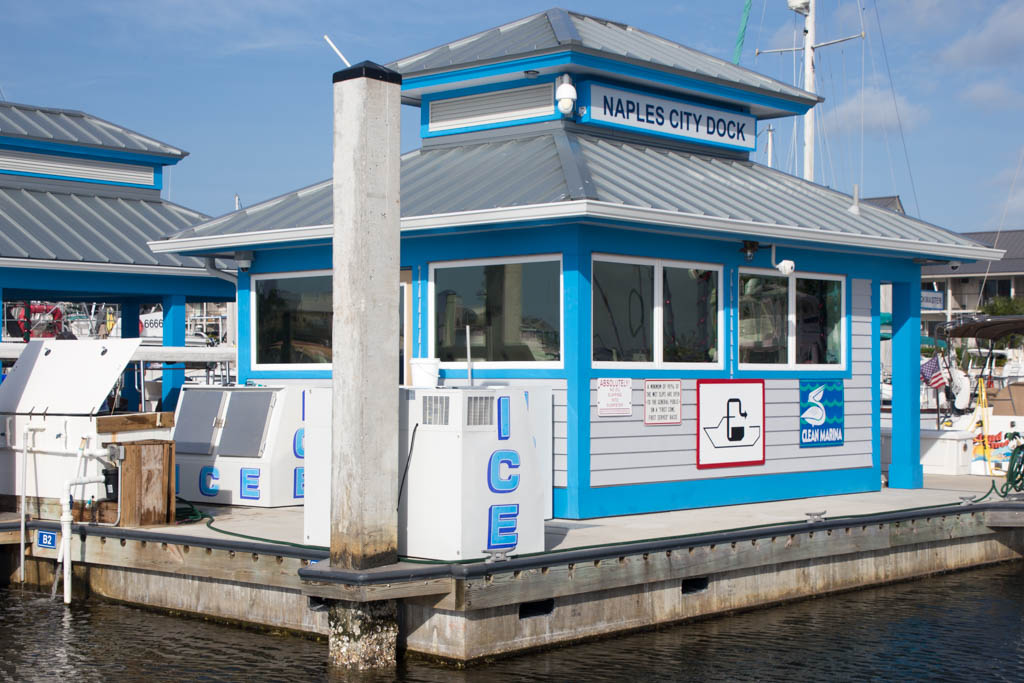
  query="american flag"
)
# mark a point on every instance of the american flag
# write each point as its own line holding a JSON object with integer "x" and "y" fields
{"x": 931, "y": 373}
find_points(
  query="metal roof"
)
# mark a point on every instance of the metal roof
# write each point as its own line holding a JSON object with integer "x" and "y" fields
{"x": 540, "y": 176}
{"x": 70, "y": 227}
{"x": 558, "y": 28}
{"x": 1012, "y": 241}
{"x": 72, "y": 127}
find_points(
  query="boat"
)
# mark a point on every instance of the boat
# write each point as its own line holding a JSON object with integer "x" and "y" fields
{"x": 996, "y": 402}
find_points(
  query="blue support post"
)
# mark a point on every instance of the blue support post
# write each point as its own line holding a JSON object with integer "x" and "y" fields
{"x": 130, "y": 397}
{"x": 174, "y": 335}
{"x": 905, "y": 470}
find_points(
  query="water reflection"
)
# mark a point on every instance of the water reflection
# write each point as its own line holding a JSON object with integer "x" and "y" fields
{"x": 957, "y": 626}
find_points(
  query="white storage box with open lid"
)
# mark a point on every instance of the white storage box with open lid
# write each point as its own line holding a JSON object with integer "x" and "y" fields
{"x": 57, "y": 393}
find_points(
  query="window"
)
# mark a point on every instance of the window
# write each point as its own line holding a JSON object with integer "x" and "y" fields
{"x": 513, "y": 309}
{"x": 655, "y": 312}
{"x": 995, "y": 288}
{"x": 796, "y": 320}
{"x": 291, "y": 318}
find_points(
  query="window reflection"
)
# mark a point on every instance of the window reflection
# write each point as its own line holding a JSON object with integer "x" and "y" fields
{"x": 623, "y": 299}
{"x": 764, "y": 304}
{"x": 513, "y": 311}
{"x": 293, "y": 320}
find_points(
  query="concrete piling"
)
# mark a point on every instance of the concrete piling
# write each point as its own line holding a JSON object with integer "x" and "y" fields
{"x": 364, "y": 453}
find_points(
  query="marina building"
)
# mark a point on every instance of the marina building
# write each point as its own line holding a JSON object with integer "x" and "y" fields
{"x": 950, "y": 291}
{"x": 585, "y": 209}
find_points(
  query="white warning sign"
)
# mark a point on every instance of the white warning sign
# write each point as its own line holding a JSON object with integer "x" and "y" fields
{"x": 663, "y": 402}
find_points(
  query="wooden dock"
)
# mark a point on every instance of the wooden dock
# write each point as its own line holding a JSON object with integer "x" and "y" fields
{"x": 597, "y": 577}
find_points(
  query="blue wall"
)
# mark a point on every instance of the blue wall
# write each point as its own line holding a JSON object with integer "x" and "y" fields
{"x": 576, "y": 244}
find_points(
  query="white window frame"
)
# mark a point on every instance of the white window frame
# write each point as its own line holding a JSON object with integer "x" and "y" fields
{"x": 498, "y": 365}
{"x": 658, "y": 314}
{"x": 791, "y": 334}
{"x": 276, "y": 367}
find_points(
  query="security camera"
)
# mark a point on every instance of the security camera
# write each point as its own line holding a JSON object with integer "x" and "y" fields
{"x": 954, "y": 265}
{"x": 565, "y": 95}
{"x": 786, "y": 267}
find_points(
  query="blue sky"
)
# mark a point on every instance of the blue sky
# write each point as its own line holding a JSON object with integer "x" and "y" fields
{"x": 245, "y": 86}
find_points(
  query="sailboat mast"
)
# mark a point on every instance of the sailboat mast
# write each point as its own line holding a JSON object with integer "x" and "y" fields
{"x": 809, "y": 40}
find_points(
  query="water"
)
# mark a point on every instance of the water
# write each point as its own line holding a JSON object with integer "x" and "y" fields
{"x": 951, "y": 627}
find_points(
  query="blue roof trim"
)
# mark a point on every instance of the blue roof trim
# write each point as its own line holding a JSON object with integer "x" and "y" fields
{"x": 666, "y": 79}
{"x": 84, "y": 152}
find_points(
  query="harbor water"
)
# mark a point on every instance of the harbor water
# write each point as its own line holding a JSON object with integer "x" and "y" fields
{"x": 966, "y": 625}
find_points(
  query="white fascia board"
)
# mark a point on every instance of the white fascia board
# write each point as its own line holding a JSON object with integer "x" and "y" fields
{"x": 92, "y": 267}
{"x": 240, "y": 240}
{"x": 589, "y": 208}
{"x": 592, "y": 209}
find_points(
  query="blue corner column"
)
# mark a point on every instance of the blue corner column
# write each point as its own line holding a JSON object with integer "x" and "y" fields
{"x": 130, "y": 330}
{"x": 174, "y": 335}
{"x": 905, "y": 470}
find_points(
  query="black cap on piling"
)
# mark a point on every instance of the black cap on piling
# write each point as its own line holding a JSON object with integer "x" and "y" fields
{"x": 368, "y": 70}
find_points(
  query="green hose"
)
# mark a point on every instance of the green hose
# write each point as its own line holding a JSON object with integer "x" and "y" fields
{"x": 1014, "y": 471}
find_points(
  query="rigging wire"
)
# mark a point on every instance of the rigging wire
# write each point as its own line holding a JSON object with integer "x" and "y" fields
{"x": 895, "y": 105}
{"x": 885, "y": 129}
{"x": 999, "y": 230}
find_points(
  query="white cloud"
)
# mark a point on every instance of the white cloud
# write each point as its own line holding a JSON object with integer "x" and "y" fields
{"x": 996, "y": 42}
{"x": 879, "y": 112}
{"x": 993, "y": 93}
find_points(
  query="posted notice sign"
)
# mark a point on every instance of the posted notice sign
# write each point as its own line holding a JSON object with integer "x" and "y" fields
{"x": 614, "y": 397}
{"x": 671, "y": 117}
{"x": 730, "y": 422}
{"x": 663, "y": 402}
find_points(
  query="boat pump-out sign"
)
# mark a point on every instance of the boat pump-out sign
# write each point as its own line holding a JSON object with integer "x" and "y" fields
{"x": 730, "y": 422}
{"x": 821, "y": 413}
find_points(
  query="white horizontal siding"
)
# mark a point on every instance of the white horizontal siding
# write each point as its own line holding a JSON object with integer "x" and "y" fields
{"x": 491, "y": 108}
{"x": 67, "y": 167}
{"x": 625, "y": 451}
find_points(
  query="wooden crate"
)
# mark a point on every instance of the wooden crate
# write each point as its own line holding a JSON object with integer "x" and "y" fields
{"x": 147, "y": 483}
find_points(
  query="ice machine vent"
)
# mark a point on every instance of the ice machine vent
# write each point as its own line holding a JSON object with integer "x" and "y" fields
{"x": 479, "y": 411}
{"x": 435, "y": 410}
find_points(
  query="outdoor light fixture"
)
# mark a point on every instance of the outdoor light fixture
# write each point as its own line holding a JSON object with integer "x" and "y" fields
{"x": 531, "y": 73}
{"x": 243, "y": 259}
{"x": 565, "y": 95}
{"x": 749, "y": 249}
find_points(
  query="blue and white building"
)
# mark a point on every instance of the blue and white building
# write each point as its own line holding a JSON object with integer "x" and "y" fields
{"x": 584, "y": 201}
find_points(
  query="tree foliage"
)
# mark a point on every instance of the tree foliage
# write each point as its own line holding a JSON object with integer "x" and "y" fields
{"x": 1003, "y": 305}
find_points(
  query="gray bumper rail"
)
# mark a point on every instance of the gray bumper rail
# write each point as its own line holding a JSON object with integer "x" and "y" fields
{"x": 320, "y": 572}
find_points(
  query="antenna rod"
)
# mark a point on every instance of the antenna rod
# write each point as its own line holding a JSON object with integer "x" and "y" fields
{"x": 336, "y": 50}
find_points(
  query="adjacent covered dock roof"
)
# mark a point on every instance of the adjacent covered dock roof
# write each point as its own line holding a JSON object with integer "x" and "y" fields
{"x": 27, "y": 122}
{"x": 562, "y": 172}
{"x": 52, "y": 224}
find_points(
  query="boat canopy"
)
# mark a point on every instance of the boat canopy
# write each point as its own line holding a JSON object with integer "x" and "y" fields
{"x": 989, "y": 327}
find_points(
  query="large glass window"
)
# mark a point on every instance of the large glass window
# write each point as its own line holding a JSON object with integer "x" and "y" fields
{"x": 513, "y": 310}
{"x": 764, "y": 315}
{"x": 819, "y": 318}
{"x": 651, "y": 311}
{"x": 791, "y": 321}
{"x": 690, "y": 315}
{"x": 623, "y": 312}
{"x": 292, "y": 319}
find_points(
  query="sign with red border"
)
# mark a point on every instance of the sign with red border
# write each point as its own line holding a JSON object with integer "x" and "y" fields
{"x": 663, "y": 401}
{"x": 730, "y": 422}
